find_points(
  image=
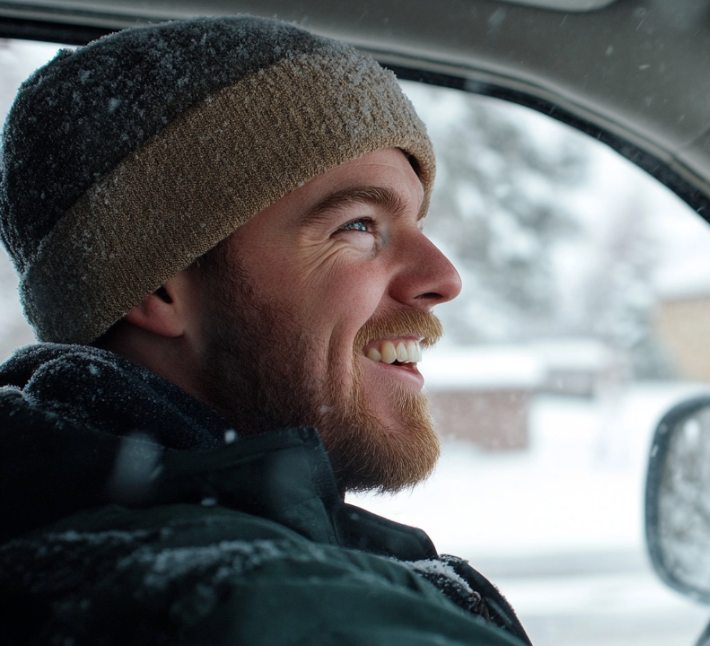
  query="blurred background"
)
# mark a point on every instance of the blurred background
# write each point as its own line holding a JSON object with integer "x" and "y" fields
{"x": 585, "y": 314}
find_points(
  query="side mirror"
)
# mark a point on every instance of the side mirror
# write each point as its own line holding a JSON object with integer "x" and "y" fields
{"x": 678, "y": 499}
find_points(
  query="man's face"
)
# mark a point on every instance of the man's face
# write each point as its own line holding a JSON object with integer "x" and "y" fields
{"x": 320, "y": 289}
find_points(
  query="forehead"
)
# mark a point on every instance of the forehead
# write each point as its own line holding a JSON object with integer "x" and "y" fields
{"x": 384, "y": 178}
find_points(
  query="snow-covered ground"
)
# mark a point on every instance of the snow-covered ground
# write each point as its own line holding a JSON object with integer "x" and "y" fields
{"x": 559, "y": 527}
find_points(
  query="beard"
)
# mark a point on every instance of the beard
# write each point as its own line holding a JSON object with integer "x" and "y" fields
{"x": 255, "y": 371}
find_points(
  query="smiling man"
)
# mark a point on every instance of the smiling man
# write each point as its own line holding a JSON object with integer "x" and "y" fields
{"x": 314, "y": 313}
{"x": 218, "y": 226}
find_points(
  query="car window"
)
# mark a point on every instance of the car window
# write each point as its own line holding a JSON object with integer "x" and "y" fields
{"x": 18, "y": 59}
{"x": 584, "y": 315}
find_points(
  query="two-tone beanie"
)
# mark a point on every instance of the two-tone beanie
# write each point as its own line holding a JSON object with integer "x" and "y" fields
{"x": 126, "y": 160}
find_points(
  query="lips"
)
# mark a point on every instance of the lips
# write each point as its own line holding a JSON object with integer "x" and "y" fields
{"x": 394, "y": 351}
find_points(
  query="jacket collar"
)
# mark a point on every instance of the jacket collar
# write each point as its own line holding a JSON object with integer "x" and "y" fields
{"x": 93, "y": 387}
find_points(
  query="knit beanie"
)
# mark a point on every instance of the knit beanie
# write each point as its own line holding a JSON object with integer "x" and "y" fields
{"x": 124, "y": 161}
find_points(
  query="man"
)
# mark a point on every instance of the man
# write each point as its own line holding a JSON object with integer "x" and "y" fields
{"x": 217, "y": 224}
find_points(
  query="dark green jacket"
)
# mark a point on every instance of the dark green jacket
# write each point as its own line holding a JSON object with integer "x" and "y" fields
{"x": 128, "y": 518}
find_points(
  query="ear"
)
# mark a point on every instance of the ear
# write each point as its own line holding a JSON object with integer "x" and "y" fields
{"x": 165, "y": 311}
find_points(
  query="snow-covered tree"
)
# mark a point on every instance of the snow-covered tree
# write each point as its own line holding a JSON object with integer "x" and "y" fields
{"x": 498, "y": 209}
{"x": 616, "y": 295}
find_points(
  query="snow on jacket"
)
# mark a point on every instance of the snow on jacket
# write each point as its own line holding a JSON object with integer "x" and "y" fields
{"x": 131, "y": 513}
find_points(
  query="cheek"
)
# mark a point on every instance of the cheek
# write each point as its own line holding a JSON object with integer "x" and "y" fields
{"x": 344, "y": 303}
{"x": 328, "y": 292}
{"x": 359, "y": 286}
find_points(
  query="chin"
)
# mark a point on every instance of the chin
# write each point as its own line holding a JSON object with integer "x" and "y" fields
{"x": 381, "y": 453}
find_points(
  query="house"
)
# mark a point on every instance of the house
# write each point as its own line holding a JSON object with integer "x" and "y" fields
{"x": 484, "y": 394}
{"x": 683, "y": 318}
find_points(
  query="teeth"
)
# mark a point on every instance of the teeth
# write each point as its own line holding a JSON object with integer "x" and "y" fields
{"x": 413, "y": 352}
{"x": 404, "y": 352}
{"x": 389, "y": 354}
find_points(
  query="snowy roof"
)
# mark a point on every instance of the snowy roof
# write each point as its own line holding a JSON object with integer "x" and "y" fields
{"x": 573, "y": 354}
{"x": 510, "y": 366}
{"x": 688, "y": 280}
{"x": 481, "y": 368}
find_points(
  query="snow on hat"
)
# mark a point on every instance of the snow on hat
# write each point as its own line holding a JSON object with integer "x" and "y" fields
{"x": 127, "y": 159}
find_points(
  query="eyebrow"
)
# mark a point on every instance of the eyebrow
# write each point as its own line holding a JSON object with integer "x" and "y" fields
{"x": 379, "y": 196}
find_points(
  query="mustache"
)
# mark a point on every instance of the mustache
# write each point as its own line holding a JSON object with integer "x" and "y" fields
{"x": 405, "y": 323}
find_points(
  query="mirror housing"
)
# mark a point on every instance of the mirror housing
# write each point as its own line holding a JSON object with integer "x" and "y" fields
{"x": 678, "y": 499}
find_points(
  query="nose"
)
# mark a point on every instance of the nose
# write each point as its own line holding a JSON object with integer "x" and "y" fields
{"x": 426, "y": 276}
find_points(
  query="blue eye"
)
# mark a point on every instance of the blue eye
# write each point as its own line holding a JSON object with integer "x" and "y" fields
{"x": 356, "y": 225}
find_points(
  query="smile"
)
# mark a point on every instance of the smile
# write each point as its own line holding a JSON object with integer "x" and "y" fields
{"x": 394, "y": 351}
